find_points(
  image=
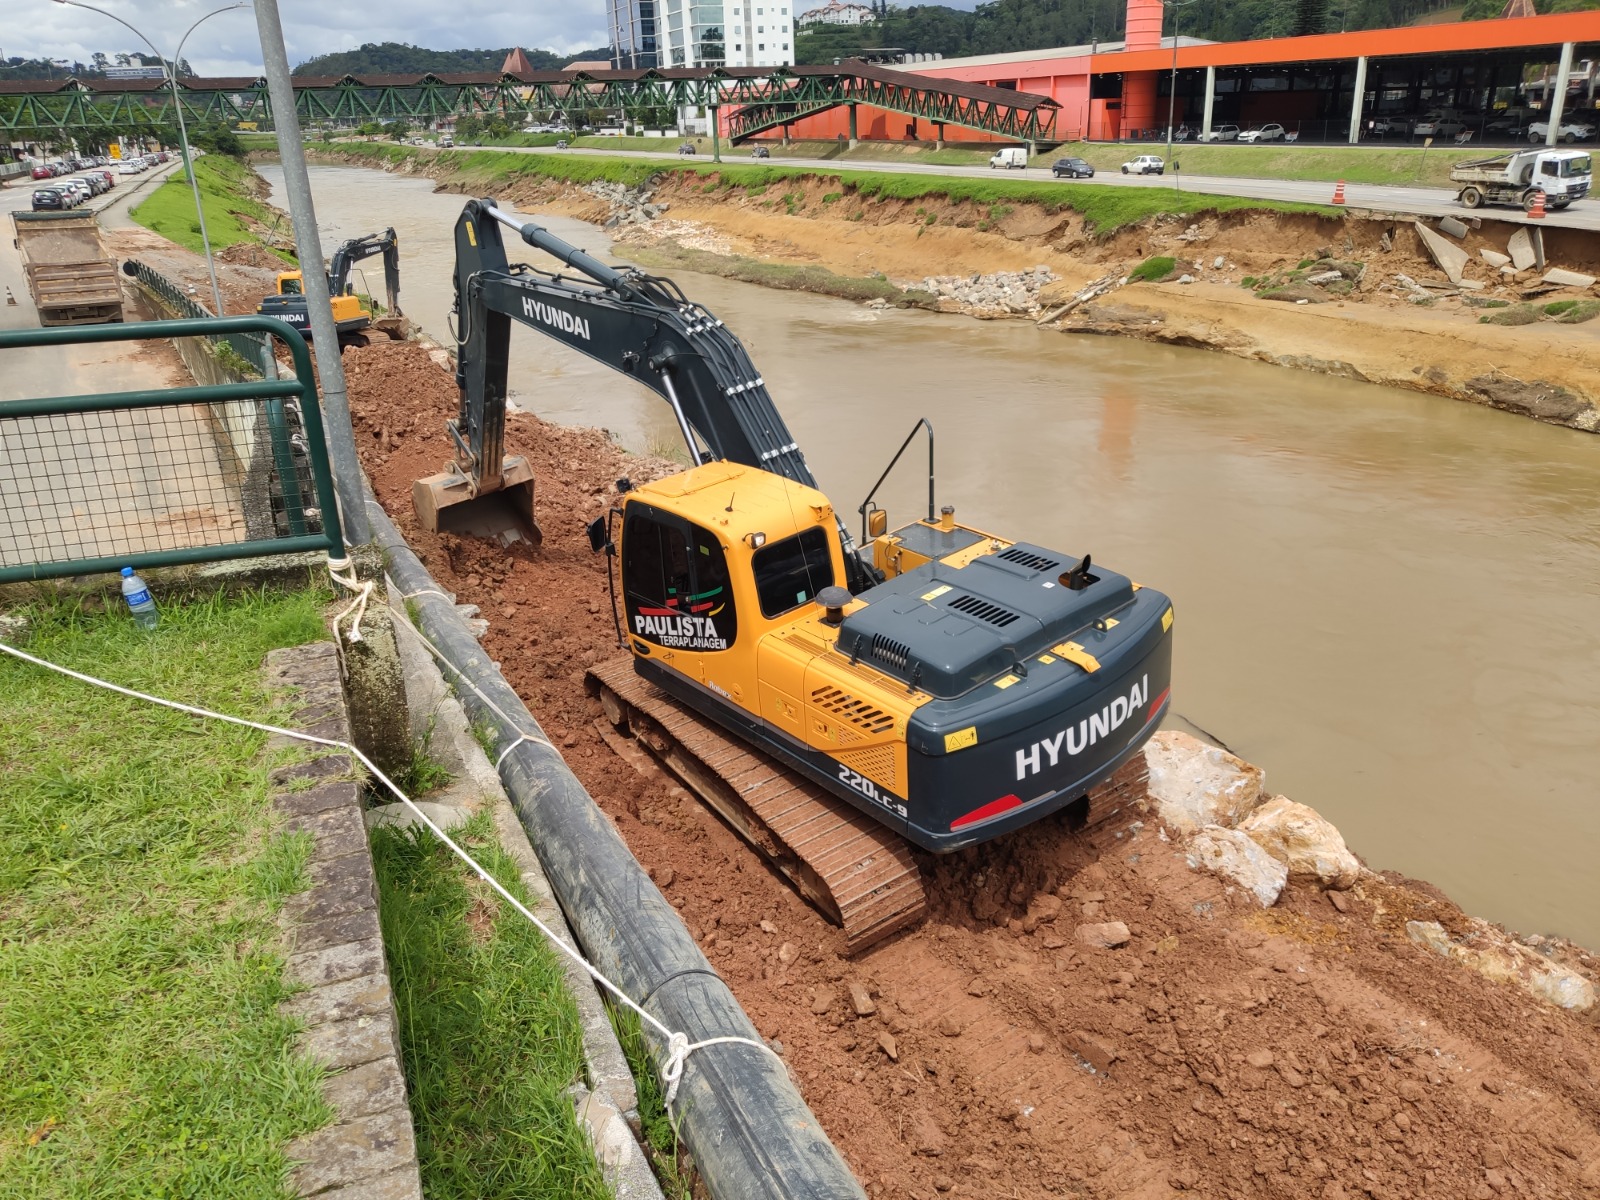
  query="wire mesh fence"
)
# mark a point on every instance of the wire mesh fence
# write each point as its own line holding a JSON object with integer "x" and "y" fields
{"x": 153, "y": 478}
{"x": 253, "y": 348}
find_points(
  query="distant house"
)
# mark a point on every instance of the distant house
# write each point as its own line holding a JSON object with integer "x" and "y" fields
{"x": 835, "y": 13}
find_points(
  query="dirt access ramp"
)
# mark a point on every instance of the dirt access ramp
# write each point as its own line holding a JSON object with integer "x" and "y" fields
{"x": 1222, "y": 1050}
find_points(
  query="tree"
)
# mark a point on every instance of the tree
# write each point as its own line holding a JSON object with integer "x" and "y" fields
{"x": 397, "y": 130}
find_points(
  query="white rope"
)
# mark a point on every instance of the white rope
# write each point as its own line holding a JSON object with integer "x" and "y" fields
{"x": 358, "y": 605}
{"x": 678, "y": 1045}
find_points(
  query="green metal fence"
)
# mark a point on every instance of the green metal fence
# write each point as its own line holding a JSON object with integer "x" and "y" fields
{"x": 162, "y": 477}
{"x": 254, "y": 348}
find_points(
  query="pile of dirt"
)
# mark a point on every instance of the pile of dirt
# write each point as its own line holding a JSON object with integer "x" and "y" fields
{"x": 252, "y": 254}
{"x": 1309, "y": 1050}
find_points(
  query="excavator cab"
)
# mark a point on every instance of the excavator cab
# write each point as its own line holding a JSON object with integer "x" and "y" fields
{"x": 291, "y": 283}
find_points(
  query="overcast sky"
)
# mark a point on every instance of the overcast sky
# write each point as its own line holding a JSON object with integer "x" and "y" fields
{"x": 227, "y": 45}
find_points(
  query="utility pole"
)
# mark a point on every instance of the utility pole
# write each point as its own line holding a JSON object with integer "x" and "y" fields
{"x": 308, "y": 246}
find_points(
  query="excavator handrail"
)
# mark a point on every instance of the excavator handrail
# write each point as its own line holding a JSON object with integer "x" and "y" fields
{"x": 922, "y": 423}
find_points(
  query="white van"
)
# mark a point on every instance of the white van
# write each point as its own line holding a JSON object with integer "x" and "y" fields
{"x": 1008, "y": 157}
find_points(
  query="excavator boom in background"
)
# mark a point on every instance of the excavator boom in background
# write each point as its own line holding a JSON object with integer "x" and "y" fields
{"x": 350, "y": 318}
{"x": 940, "y": 685}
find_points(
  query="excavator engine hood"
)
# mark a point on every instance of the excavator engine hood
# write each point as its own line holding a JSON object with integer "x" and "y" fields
{"x": 946, "y": 630}
{"x": 1043, "y": 683}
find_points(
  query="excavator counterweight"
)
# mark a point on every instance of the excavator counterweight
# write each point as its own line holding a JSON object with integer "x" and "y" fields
{"x": 939, "y": 687}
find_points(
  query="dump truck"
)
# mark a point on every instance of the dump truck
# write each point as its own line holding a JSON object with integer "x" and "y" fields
{"x": 1518, "y": 178}
{"x": 70, "y": 273}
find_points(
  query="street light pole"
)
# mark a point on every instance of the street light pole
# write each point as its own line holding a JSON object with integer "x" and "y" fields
{"x": 169, "y": 68}
{"x": 1172, "y": 88}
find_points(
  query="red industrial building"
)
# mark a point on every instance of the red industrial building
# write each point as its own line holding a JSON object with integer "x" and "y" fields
{"x": 1325, "y": 87}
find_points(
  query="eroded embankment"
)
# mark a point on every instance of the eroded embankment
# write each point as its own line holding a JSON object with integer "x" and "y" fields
{"x": 1311, "y": 1048}
{"x": 1353, "y": 295}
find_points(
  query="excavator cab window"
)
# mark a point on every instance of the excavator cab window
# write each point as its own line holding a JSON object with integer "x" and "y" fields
{"x": 791, "y": 572}
{"x": 675, "y": 580}
{"x": 289, "y": 287}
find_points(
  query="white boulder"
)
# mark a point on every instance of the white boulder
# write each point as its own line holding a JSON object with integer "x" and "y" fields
{"x": 1495, "y": 957}
{"x": 1194, "y": 784}
{"x": 1305, "y": 842}
{"x": 1233, "y": 856}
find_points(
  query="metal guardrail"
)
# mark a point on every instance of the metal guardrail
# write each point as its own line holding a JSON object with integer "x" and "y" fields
{"x": 250, "y": 347}
{"x": 162, "y": 477}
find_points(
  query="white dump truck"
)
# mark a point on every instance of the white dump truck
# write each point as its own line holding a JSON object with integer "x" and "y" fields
{"x": 1562, "y": 175}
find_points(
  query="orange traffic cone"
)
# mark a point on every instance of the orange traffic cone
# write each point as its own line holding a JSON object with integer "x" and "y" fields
{"x": 1536, "y": 212}
{"x": 1338, "y": 192}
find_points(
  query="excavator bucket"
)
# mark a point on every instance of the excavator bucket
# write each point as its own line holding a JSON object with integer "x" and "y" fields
{"x": 447, "y": 503}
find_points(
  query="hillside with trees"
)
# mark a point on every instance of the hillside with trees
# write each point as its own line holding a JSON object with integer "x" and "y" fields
{"x": 398, "y": 58}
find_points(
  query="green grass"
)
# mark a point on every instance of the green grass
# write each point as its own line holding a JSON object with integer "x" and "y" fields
{"x": 1152, "y": 270}
{"x": 1379, "y": 164}
{"x": 140, "y": 964}
{"x": 1105, "y": 209}
{"x": 489, "y": 1035}
{"x": 660, "y": 1135}
{"x": 1579, "y": 312}
{"x": 225, "y": 193}
{"x": 1519, "y": 314}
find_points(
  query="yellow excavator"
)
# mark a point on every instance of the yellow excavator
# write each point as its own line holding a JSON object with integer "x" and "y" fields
{"x": 941, "y": 684}
{"x": 350, "y": 317}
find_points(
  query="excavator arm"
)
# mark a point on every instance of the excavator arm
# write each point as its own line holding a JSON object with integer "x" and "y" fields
{"x": 357, "y": 249}
{"x": 637, "y": 324}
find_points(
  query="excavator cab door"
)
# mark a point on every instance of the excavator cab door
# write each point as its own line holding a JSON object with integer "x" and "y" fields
{"x": 678, "y": 599}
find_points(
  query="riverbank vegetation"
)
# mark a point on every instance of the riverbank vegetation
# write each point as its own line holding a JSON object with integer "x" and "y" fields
{"x": 140, "y": 959}
{"x": 230, "y": 195}
{"x": 1397, "y": 165}
{"x": 1104, "y": 209}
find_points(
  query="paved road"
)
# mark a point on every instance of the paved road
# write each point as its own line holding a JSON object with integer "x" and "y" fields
{"x": 89, "y": 484}
{"x": 1421, "y": 201}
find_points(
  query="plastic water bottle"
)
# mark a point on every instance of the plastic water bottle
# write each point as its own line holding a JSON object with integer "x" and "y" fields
{"x": 137, "y": 593}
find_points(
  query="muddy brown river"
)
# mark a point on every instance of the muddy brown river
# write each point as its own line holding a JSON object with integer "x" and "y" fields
{"x": 1388, "y": 600}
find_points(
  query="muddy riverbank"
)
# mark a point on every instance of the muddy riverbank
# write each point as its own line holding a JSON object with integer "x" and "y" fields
{"x": 1237, "y": 283}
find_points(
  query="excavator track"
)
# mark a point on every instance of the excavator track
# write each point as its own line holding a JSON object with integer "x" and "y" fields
{"x": 858, "y": 872}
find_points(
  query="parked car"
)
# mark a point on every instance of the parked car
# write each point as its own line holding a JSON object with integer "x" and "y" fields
{"x": 78, "y": 189}
{"x": 111, "y": 180}
{"x": 761, "y": 152}
{"x": 1145, "y": 164}
{"x": 1393, "y": 123}
{"x": 1263, "y": 133}
{"x": 686, "y": 148}
{"x": 1223, "y": 133}
{"x": 42, "y": 172}
{"x": 1071, "y": 168}
{"x": 1570, "y": 131}
{"x": 562, "y": 144}
{"x": 49, "y": 200}
{"x": 128, "y": 168}
{"x": 1438, "y": 124}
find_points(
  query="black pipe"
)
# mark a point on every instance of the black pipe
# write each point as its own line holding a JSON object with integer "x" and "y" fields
{"x": 741, "y": 1117}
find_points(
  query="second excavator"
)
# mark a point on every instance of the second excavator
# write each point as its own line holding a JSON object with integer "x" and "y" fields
{"x": 351, "y": 318}
{"x": 938, "y": 685}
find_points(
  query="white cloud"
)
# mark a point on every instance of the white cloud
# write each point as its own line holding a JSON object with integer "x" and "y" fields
{"x": 228, "y": 44}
